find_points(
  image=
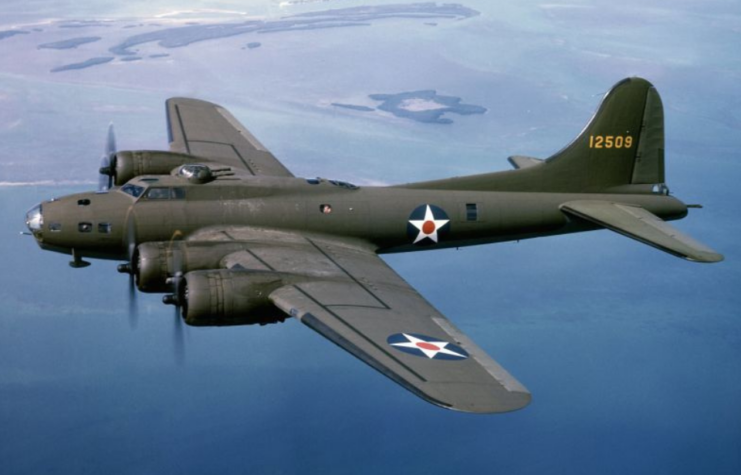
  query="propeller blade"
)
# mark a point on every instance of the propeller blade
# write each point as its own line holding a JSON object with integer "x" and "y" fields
{"x": 110, "y": 143}
{"x": 178, "y": 339}
{"x": 177, "y": 282}
{"x": 104, "y": 179}
{"x": 131, "y": 268}
{"x": 131, "y": 240}
{"x": 107, "y": 169}
{"x": 133, "y": 307}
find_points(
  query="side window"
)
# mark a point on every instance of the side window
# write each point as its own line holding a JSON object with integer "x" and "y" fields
{"x": 157, "y": 193}
{"x": 55, "y": 227}
{"x": 178, "y": 193}
{"x": 104, "y": 228}
{"x": 472, "y": 212}
{"x": 85, "y": 227}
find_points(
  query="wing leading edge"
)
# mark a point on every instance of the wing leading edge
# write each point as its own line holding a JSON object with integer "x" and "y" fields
{"x": 208, "y": 130}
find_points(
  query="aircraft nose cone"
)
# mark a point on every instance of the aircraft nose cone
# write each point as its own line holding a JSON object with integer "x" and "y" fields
{"x": 34, "y": 219}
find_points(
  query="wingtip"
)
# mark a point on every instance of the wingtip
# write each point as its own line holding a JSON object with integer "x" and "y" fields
{"x": 707, "y": 258}
{"x": 515, "y": 402}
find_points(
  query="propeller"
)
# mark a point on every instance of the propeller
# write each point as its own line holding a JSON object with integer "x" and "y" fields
{"x": 176, "y": 298}
{"x": 130, "y": 268}
{"x": 133, "y": 307}
{"x": 178, "y": 338}
{"x": 107, "y": 170}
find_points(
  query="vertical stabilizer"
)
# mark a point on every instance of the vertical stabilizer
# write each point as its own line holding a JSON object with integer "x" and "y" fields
{"x": 622, "y": 145}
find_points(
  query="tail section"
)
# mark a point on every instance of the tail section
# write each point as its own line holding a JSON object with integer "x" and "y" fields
{"x": 622, "y": 145}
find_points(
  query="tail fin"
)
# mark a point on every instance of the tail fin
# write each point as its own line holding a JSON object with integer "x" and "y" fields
{"x": 623, "y": 144}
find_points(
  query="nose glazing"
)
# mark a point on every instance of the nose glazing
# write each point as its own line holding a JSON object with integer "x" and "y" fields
{"x": 34, "y": 219}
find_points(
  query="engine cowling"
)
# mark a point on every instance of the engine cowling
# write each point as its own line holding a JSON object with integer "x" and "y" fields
{"x": 226, "y": 297}
{"x": 155, "y": 262}
{"x": 129, "y": 164}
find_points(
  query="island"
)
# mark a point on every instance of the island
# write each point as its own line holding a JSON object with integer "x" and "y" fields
{"x": 83, "y": 23}
{"x": 85, "y": 64}
{"x": 70, "y": 43}
{"x": 353, "y": 107}
{"x": 425, "y": 106}
{"x": 11, "y": 33}
{"x": 180, "y": 36}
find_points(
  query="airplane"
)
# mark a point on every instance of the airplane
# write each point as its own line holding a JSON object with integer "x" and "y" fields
{"x": 232, "y": 237}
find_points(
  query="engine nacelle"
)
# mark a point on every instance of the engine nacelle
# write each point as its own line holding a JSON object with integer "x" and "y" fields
{"x": 158, "y": 261}
{"x": 129, "y": 164}
{"x": 226, "y": 297}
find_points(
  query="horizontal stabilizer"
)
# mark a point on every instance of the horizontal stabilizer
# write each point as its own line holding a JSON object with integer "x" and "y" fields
{"x": 521, "y": 161}
{"x": 641, "y": 225}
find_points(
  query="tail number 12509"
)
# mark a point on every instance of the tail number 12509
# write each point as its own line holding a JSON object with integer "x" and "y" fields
{"x": 610, "y": 141}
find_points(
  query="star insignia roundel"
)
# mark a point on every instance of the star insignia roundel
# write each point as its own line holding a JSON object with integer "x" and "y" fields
{"x": 427, "y": 225}
{"x": 426, "y": 346}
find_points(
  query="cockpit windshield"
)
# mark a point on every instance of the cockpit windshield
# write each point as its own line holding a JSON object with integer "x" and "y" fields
{"x": 133, "y": 190}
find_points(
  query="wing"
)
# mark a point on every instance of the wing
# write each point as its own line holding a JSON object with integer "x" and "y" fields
{"x": 641, "y": 225}
{"x": 351, "y": 297}
{"x": 210, "y": 131}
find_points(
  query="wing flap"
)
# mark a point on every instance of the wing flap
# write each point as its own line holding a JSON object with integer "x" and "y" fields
{"x": 639, "y": 224}
{"x": 208, "y": 130}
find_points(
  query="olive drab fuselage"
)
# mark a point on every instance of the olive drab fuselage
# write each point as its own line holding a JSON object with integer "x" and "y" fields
{"x": 96, "y": 224}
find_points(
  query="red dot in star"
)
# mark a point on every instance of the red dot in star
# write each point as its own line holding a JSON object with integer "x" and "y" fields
{"x": 427, "y": 346}
{"x": 428, "y": 227}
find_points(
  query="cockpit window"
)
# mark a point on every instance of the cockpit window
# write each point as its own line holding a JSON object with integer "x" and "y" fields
{"x": 162, "y": 193}
{"x": 157, "y": 193}
{"x": 133, "y": 190}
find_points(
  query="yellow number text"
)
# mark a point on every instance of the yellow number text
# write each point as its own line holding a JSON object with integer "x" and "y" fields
{"x": 610, "y": 141}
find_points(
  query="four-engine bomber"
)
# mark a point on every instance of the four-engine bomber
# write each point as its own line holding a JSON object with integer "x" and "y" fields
{"x": 231, "y": 237}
